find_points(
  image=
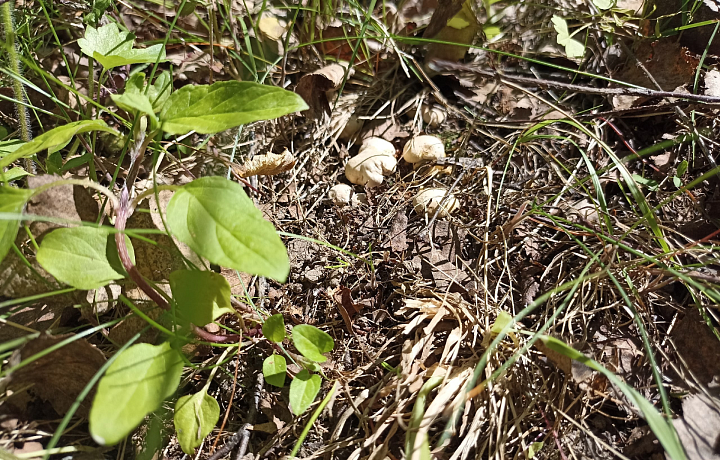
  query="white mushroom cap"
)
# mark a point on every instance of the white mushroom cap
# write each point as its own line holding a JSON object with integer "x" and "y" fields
{"x": 428, "y": 200}
{"x": 375, "y": 160}
{"x": 340, "y": 194}
{"x": 433, "y": 116}
{"x": 423, "y": 148}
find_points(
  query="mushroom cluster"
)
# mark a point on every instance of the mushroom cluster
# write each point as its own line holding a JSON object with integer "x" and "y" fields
{"x": 376, "y": 159}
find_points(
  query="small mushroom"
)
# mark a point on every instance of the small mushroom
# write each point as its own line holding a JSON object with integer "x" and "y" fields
{"x": 423, "y": 148}
{"x": 340, "y": 194}
{"x": 375, "y": 160}
{"x": 433, "y": 116}
{"x": 428, "y": 200}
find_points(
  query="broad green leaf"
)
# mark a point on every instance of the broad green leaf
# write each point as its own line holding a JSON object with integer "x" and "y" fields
{"x": 201, "y": 296}
{"x": 303, "y": 390}
{"x": 274, "y": 328}
{"x": 130, "y": 102}
{"x": 12, "y": 201}
{"x": 312, "y": 342}
{"x": 83, "y": 257}
{"x": 159, "y": 92}
{"x": 113, "y": 48}
{"x": 10, "y": 146}
{"x": 224, "y": 105}
{"x": 573, "y": 48}
{"x": 195, "y": 417}
{"x": 274, "y": 370}
{"x": 663, "y": 429}
{"x": 677, "y": 182}
{"x": 217, "y": 220}
{"x": 137, "y": 383}
{"x": 57, "y": 136}
{"x": 13, "y": 174}
{"x": 604, "y": 4}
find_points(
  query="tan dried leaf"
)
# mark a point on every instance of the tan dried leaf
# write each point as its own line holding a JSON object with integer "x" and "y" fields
{"x": 59, "y": 376}
{"x": 266, "y": 165}
{"x": 313, "y": 87}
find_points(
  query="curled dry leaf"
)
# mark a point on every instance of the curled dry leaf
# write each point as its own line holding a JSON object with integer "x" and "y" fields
{"x": 429, "y": 200}
{"x": 59, "y": 376}
{"x": 423, "y": 148}
{"x": 271, "y": 27}
{"x": 313, "y": 87}
{"x": 266, "y": 165}
{"x": 375, "y": 160}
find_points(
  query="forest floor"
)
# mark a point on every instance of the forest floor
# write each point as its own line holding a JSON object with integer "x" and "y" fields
{"x": 580, "y": 165}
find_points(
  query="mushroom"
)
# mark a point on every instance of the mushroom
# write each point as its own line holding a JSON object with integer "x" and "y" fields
{"x": 428, "y": 200}
{"x": 433, "y": 116}
{"x": 375, "y": 159}
{"x": 423, "y": 148}
{"x": 340, "y": 194}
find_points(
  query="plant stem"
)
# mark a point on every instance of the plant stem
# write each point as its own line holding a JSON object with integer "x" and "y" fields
{"x": 13, "y": 57}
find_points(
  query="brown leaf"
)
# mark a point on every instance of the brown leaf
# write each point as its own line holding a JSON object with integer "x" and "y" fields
{"x": 313, "y": 87}
{"x": 698, "y": 346}
{"x": 699, "y": 427}
{"x": 266, "y": 165}
{"x": 453, "y": 21}
{"x": 59, "y": 376}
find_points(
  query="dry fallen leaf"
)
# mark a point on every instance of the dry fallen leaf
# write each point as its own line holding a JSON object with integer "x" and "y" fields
{"x": 453, "y": 21}
{"x": 59, "y": 376}
{"x": 314, "y": 86}
{"x": 699, "y": 427}
{"x": 266, "y": 165}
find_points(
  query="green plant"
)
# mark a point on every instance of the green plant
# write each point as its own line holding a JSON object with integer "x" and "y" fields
{"x": 212, "y": 215}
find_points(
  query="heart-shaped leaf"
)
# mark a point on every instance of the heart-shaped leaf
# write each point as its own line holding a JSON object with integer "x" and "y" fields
{"x": 53, "y": 138}
{"x": 83, "y": 257}
{"x": 303, "y": 390}
{"x": 224, "y": 105}
{"x": 12, "y": 201}
{"x": 139, "y": 380}
{"x": 195, "y": 417}
{"x": 312, "y": 342}
{"x": 201, "y": 296}
{"x": 113, "y": 48}
{"x": 274, "y": 328}
{"x": 274, "y": 370}
{"x": 217, "y": 220}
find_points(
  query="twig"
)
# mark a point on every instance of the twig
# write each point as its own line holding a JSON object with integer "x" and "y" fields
{"x": 242, "y": 436}
{"x": 627, "y": 91}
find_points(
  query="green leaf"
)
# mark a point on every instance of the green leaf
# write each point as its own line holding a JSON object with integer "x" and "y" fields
{"x": 113, "y": 48}
{"x": 13, "y": 174}
{"x": 503, "y": 319}
{"x": 303, "y": 390}
{"x": 83, "y": 257}
{"x": 12, "y": 201}
{"x": 57, "y": 136}
{"x": 312, "y": 342}
{"x": 651, "y": 184}
{"x": 682, "y": 168}
{"x": 663, "y": 429}
{"x": 604, "y": 4}
{"x": 159, "y": 92}
{"x": 224, "y": 105}
{"x": 137, "y": 383}
{"x": 130, "y": 102}
{"x": 573, "y": 48}
{"x": 217, "y": 220}
{"x": 677, "y": 182}
{"x": 274, "y": 328}
{"x": 10, "y": 146}
{"x": 274, "y": 370}
{"x": 201, "y": 296}
{"x": 195, "y": 417}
